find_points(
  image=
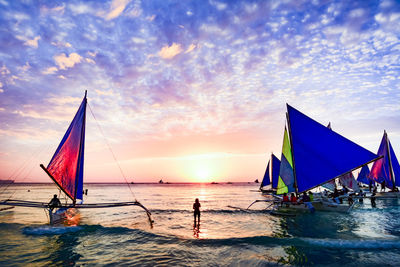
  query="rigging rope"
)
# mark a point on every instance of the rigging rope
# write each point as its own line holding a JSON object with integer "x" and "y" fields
{"x": 112, "y": 153}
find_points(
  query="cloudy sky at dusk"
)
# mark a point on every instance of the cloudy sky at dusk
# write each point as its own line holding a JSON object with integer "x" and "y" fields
{"x": 191, "y": 90}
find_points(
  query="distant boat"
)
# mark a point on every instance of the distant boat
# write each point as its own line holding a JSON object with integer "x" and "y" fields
{"x": 312, "y": 155}
{"x": 66, "y": 171}
{"x": 256, "y": 181}
{"x": 214, "y": 183}
{"x": 161, "y": 181}
{"x": 386, "y": 169}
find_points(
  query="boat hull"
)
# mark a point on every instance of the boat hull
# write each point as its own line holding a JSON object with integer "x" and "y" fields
{"x": 318, "y": 206}
{"x": 387, "y": 195}
{"x": 63, "y": 216}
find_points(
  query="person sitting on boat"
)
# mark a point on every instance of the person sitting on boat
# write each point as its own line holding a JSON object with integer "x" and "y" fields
{"x": 305, "y": 198}
{"x": 345, "y": 190}
{"x": 54, "y": 202}
{"x": 361, "y": 195}
{"x": 335, "y": 196}
{"x": 293, "y": 198}
{"x": 285, "y": 198}
{"x": 311, "y": 196}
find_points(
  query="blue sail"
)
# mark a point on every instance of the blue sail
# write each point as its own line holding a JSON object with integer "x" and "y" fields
{"x": 266, "y": 180}
{"x": 395, "y": 165}
{"x": 363, "y": 175}
{"x": 276, "y": 165}
{"x": 66, "y": 165}
{"x": 380, "y": 170}
{"x": 320, "y": 154}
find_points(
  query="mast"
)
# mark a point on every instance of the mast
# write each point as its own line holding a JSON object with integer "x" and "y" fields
{"x": 291, "y": 150}
{"x": 81, "y": 148}
{"x": 390, "y": 160}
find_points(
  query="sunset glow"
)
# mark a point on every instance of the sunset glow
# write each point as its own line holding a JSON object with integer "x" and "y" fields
{"x": 190, "y": 92}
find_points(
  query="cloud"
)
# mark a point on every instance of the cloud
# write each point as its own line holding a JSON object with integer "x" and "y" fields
{"x": 62, "y": 77}
{"x": 33, "y": 42}
{"x": 89, "y": 60}
{"x": 117, "y": 7}
{"x": 50, "y": 70}
{"x": 190, "y": 48}
{"x": 63, "y": 61}
{"x": 168, "y": 52}
{"x": 61, "y": 44}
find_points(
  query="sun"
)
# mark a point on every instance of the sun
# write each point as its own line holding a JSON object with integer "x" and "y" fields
{"x": 202, "y": 175}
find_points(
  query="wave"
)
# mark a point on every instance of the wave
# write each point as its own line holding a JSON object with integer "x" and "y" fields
{"x": 353, "y": 244}
{"x": 211, "y": 211}
{"x": 50, "y": 230}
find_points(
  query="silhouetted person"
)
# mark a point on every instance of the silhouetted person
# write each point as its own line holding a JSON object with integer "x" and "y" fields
{"x": 54, "y": 202}
{"x": 373, "y": 203}
{"x": 196, "y": 211}
{"x": 383, "y": 185}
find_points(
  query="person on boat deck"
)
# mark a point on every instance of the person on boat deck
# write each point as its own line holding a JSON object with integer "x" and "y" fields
{"x": 383, "y": 185}
{"x": 345, "y": 190}
{"x": 335, "y": 195}
{"x": 54, "y": 202}
{"x": 196, "y": 212}
{"x": 305, "y": 198}
{"x": 361, "y": 194}
{"x": 293, "y": 198}
{"x": 370, "y": 185}
{"x": 311, "y": 195}
{"x": 285, "y": 198}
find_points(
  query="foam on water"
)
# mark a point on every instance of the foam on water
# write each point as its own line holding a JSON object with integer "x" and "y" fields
{"x": 354, "y": 244}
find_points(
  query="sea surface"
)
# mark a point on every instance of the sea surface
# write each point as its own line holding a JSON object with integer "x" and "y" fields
{"x": 226, "y": 237}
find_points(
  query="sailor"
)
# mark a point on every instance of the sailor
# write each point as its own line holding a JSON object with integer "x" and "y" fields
{"x": 335, "y": 196}
{"x": 196, "y": 212}
{"x": 285, "y": 198}
{"x": 311, "y": 196}
{"x": 293, "y": 199}
{"x": 370, "y": 185}
{"x": 383, "y": 185}
{"x": 373, "y": 203}
{"x": 361, "y": 194}
{"x": 54, "y": 202}
{"x": 305, "y": 198}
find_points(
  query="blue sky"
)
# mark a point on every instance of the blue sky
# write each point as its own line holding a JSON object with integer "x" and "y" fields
{"x": 172, "y": 82}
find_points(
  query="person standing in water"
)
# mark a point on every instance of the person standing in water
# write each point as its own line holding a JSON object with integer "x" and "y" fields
{"x": 196, "y": 211}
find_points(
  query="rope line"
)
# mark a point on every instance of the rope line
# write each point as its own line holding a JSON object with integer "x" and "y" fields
{"x": 112, "y": 153}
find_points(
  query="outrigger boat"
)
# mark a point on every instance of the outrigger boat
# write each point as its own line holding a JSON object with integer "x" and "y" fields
{"x": 66, "y": 170}
{"x": 313, "y": 155}
{"x": 273, "y": 172}
{"x": 386, "y": 169}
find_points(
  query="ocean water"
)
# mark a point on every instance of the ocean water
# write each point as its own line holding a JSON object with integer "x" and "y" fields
{"x": 226, "y": 237}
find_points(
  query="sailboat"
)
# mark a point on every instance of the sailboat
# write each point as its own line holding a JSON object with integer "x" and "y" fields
{"x": 312, "y": 155}
{"x": 386, "y": 169}
{"x": 363, "y": 176}
{"x": 66, "y": 170}
{"x": 273, "y": 172}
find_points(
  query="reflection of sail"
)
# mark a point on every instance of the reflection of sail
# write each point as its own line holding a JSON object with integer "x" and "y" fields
{"x": 387, "y": 168}
{"x": 66, "y": 166}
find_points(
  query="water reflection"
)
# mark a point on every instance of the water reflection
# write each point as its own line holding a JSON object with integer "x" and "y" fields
{"x": 61, "y": 250}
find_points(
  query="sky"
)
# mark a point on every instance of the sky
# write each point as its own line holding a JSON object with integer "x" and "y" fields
{"x": 191, "y": 91}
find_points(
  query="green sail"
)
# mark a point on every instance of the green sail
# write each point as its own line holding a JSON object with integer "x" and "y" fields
{"x": 286, "y": 175}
